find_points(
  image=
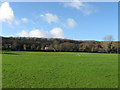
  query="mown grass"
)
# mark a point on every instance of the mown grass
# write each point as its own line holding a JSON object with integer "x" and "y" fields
{"x": 59, "y": 70}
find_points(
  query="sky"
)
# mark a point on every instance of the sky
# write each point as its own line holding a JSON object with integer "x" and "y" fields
{"x": 69, "y": 20}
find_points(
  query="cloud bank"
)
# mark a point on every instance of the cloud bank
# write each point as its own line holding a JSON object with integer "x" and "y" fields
{"x": 54, "y": 33}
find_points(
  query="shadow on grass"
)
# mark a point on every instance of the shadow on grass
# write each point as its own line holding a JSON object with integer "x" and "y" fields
{"x": 10, "y": 53}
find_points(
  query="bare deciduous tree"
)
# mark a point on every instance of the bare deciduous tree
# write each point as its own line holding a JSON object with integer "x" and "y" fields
{"x": 108, "y": 38}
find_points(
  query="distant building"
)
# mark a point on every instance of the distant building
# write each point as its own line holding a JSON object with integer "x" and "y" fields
{"x": 49, "y": 48}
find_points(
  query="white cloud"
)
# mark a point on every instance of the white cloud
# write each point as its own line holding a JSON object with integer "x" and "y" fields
{"x": 6, "y": 12}
{"x": 7, "y": 15}
{"x": 71, "y": 23}
{"x": 54, "y": 33}
{"x": 50, "y": 17}
{"x": 57, "y": 32}
{"x": 85, "y": 8}
{"x": 38, "y": 33}
{"x": 23, "y": 34}
{"x": 76, "y": 4}
{"x": 34, "y": 33}
{"x": 24, "y": 19}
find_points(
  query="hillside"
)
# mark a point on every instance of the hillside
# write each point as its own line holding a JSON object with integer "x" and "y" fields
{"x": 59, "y": 45}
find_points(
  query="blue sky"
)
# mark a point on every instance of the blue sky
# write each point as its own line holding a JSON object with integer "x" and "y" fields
{"x": 78, "y": 21}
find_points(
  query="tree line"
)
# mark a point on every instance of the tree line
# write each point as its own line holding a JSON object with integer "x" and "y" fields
{"x": 59, "y": 45}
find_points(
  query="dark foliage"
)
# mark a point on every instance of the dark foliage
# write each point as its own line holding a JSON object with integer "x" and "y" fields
{"x": 59, "y": 45}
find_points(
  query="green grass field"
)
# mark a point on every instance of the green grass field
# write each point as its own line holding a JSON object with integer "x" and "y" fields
{"x": 59, "y": 70}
